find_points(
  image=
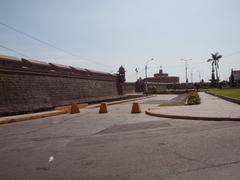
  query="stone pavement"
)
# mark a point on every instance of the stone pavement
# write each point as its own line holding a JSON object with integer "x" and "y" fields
{"x": 211, "y": 108}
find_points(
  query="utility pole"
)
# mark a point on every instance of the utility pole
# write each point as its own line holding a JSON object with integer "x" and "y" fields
{"x": 192, "y": 74}
{"x": 199, "y": 76}
{"x": 186, "y": 68}
{"x": 146, "y": 73}
{"x": 136, "y": 70}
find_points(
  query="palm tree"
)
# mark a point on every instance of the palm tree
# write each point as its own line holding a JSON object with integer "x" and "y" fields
{"x": 213, "y": 75}
{"x": 215, "y": 62}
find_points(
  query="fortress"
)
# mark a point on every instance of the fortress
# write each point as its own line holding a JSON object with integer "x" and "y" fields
{"x": 29, "y": 85}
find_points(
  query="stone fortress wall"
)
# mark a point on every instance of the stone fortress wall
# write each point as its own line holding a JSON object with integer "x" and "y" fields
{"x": 30, "y": 85}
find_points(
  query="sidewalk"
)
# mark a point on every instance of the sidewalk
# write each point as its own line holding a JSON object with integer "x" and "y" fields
{"x": 211, "y": 108}
{"x": 62, "y": 110}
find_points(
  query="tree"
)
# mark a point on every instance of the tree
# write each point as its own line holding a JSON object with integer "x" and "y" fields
{"x": 215, "y": 63}
{"x": 213, "y": 81}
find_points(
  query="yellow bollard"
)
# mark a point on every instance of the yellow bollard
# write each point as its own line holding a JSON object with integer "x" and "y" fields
{"x": 136, "y": 108}
{"x": 74, "y": 109}
{"x": 103, "y": 108}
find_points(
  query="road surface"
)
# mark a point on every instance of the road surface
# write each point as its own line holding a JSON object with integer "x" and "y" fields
{"x": 120, "y": 145}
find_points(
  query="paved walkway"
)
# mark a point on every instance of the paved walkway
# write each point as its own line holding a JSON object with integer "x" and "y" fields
{"x": 211, "y": 108}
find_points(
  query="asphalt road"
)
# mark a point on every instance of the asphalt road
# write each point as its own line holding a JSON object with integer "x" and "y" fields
{"x": 120, "y": 145}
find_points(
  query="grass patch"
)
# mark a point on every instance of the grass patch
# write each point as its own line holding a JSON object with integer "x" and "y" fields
{"x": 232, "y": 93}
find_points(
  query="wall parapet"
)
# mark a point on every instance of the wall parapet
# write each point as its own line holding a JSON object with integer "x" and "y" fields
{"x": 15, "y": 65}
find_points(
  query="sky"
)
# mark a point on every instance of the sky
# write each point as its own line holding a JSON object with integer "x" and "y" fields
{"x": 105, "y": 34}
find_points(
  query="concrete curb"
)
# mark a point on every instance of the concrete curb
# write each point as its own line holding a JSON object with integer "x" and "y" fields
{"x": 237, "y": 101}
{"x": 67, "y": 108}
{"x": 120, "y": 102}
{"x": 191, "y": 117}
{"x": 25, "y": 117}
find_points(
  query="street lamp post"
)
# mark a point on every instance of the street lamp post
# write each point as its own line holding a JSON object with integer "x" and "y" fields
{"x": 136, "y": 70}
{"x": 192, "y": 74}
{"x": 146, "y": 74}
{"x": 186, "y": 68}
{"x": 199, "y": 76}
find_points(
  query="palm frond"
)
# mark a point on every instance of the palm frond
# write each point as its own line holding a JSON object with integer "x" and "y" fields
{"x": 219, "y": 56}
{"x": 213, "y": 56}
{"x": 216, "y": 56}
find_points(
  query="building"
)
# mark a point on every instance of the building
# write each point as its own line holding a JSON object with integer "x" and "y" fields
{"x": 161, "y": 81}
{"x": 234, "y": 78}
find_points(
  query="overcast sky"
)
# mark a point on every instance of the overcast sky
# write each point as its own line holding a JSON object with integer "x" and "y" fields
{"x": 104, "y": 34}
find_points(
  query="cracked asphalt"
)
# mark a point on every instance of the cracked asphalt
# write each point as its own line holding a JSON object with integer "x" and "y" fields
{"x": 119, "y": 145}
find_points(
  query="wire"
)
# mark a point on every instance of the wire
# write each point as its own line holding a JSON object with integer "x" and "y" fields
{"x": 66, "y": 52}
{"x": 232, "y": 54}
{"x": 50, "y": 45}
{"x": 13, "y": 50}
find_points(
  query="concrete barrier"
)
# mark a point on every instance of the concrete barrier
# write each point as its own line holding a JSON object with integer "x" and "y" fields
{"x": 74, "y": 109}
{"x": 136, "y": 108}
{"x": 103, "y": 108}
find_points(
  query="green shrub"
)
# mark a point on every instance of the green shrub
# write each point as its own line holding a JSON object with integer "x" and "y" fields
{"x": 193, "y": 98}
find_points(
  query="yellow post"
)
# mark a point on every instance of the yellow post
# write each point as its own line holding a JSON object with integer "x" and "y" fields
{"x": 103, "y": 108}
{"x": 74, "y": 109}
{"x": 136, "y": 108}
